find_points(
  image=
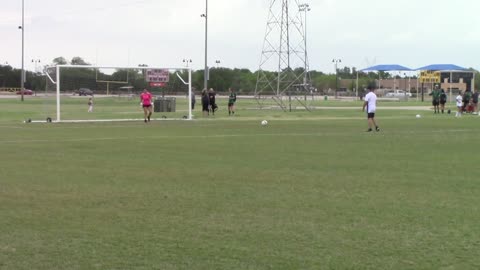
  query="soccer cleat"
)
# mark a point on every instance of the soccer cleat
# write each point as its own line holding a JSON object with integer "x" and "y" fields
{"x": 377, "y": 129}
{"x": 145, "y": 120}
{"x": 369, "y": 130}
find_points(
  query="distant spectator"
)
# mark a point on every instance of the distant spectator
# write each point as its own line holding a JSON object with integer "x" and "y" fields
{"x": 459, "y": 100}
{"x": 212, "y": 103}
{"x": 475, "y": 101}
{"x": 443, "y": 100}
{"x": 90, "y": 105}
{"x": 205, "y": 102}
{"x": 466, "y": 99}
{"x": 232, "y": 98}
{"x": 435, "y": 99}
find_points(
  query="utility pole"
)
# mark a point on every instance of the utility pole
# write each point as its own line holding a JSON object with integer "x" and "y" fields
{"x": 281, "y": 53}
{"x": 205, "y": 81}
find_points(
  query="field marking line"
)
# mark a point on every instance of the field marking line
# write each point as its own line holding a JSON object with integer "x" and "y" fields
{"x": 316, "y": 134}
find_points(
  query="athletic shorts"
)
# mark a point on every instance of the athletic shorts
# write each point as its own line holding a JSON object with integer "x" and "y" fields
{"x": 475, "y": 102}
{"x": 230, "y": 104}
{"x": 435, "y": 102}
{"x": 371, "y": 115}
{"x": 147, "y": 106}
{"x": 443, "y": 102}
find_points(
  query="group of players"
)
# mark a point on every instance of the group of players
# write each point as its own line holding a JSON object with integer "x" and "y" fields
{"x": 466, "y": 103}
{"x": 209, "y": 105}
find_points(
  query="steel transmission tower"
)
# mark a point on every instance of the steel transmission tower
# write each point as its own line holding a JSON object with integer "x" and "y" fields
{"x": 284, "y": 63}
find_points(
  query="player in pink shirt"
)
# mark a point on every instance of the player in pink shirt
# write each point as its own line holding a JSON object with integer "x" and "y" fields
{"x": 146, "y": 101}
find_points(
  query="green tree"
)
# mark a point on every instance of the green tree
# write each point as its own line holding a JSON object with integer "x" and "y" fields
{"x": 59, "y": 61}
{"x": 78, "y": 61}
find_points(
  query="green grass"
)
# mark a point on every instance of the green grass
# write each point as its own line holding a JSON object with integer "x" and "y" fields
{"x": 309, "y": 191}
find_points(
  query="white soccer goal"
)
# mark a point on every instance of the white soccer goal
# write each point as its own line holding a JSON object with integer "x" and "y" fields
{"x": 114, "y": 92}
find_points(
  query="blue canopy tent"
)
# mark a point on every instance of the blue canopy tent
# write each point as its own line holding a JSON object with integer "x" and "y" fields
{"x": 451, "y": 69}
{"x": 442, "y": 67}
{"x": 386, "y": 68}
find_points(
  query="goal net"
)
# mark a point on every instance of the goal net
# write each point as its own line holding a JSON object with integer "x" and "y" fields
{"x": 76, "y": 93}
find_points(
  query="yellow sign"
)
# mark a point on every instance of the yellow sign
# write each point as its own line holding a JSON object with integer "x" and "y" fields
{"x": 429, "y": 76}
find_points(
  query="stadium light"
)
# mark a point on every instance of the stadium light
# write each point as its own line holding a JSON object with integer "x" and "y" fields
{"x": 36, "y": 61}
{"x": 186, "y": 61}
{"x": 217, "y": 62}
{"x": 205, "y": 15}
{"x": 336, "y": 61}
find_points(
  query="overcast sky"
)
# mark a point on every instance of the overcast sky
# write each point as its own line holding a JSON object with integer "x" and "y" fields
{"x": 162, "y": 33}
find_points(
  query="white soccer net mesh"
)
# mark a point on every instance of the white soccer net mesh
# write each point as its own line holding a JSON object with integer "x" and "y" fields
{"x": 114, "y": 93}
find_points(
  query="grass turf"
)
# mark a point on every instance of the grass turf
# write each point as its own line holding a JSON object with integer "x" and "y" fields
{"x": 309, "y": 191}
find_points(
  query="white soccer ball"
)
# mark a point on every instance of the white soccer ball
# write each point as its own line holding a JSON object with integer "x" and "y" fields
{"x": 264, "y": 123}
{"x": 418, "y": 116}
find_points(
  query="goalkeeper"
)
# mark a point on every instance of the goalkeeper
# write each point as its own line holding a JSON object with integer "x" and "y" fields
{"x": 146, "y": 101}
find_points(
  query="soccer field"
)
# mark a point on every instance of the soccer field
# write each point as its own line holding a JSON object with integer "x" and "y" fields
{"x": 311, "y": 190}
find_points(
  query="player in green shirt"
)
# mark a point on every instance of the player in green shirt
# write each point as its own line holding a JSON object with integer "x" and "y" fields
{"x": 231, "y": 101}
{"x": 436, "y": 99}
{"x": 466, "y": 99}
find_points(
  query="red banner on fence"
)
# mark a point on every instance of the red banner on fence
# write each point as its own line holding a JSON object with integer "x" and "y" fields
{"x": 157, "y": 84}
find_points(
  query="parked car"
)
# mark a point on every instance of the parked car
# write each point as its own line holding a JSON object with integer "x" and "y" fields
{"x": 25, "y": 92}
{"x": 398, "y": 94}
{"x": 85, "y": 92}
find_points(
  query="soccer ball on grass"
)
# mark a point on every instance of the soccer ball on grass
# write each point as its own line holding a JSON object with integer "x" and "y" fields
{"x": 264, "y": 122}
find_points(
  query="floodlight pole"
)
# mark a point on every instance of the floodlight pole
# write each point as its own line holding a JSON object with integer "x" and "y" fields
{"x": 336, "y": 61}
{"x": 451, "y": 79}
{"x": 417, "y": 85}
{"x": 58, "y": 92}
{"x": 305, "y": 8}
{"x": 205, "y": 80}
{"x": 22, "y": 82}
{"x": 409, "y": 83}
{"x": 356, "y": 85}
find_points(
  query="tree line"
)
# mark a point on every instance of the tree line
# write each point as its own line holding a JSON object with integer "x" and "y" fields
{"x": 220, "y": 78}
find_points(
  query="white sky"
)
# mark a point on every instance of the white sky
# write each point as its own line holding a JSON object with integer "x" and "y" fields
{"x": 161, "y": 33}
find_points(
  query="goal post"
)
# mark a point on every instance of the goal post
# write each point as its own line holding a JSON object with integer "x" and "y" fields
{"x": 114, "y": 92}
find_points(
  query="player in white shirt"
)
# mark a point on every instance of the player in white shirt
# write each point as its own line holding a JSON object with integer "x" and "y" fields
{"x": 371, "y": 105}
{"x": 459, "y": 100}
